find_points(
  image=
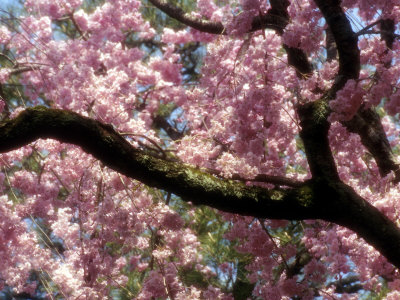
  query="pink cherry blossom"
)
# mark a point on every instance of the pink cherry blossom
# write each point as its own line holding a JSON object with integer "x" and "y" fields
{"x": 219, "y": 93}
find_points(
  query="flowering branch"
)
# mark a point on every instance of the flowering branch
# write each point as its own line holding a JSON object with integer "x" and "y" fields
{"x": 188, "y": 182}
{"x": 259, "y": 22}
{"x": 366, "y": 123}
{"x": 187, "y": 19}
{"x": 346, "y": 42}
{"x": 276, "y": 18}
{"x": 320, "y": 198}
{"x": 296, "y": 57}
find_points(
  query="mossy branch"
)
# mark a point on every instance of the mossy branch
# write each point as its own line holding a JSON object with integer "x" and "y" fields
{"x": 188, "y": 182}
{"x": 319, "y": 198}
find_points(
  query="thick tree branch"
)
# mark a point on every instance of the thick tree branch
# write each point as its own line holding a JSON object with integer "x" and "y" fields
{"x": 190, "y": 183}
{"x": 345, "y": 39}
{"x": 370, "y": 224}
{"x": 366, "y": 123}
{"x": 320, "y": 198}
{"x": 331, "y": 51}
{"x": 314, "y": 133}
{"x": 387, "y": 27}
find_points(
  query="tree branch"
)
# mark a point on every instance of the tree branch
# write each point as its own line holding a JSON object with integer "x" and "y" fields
{"x": 346, "y": 42}
{"x": 188, "y": 182}
{"x": 185, "y": 18}
{"x": 259, "y": 22}
{"x": 387, "y": 27}
{"x": 319, "y": 198}
{"x": 161, "y": 123}
{"x": 296, "y": 57}
{"x": 331, "y": 51}
{"x": 345, "y": 206}
{"x": 314, "y": 133}
{"x": 366, "y": 123}
{"x": 276, "y": 18}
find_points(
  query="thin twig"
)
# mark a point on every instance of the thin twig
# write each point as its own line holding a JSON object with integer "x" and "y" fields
{"x": 273, "y": 242}
{"x": 161, "y": 150}
{"x": 365, "y": 29}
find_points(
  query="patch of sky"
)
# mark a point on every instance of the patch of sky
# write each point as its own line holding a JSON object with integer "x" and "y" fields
{"x": 6, "y": 4}
{"x": 176, "y": 119}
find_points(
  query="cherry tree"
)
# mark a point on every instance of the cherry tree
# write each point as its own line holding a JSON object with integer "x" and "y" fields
{"x": 200, "y": 150}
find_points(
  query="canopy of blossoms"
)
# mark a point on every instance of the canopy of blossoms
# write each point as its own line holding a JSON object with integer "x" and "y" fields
{"x": 123, "y": 121}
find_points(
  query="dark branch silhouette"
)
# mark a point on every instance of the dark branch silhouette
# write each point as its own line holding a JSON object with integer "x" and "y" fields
{"x": 366, "y": 123}
{"x": 320, "y": 198}
{"x": 260, "y": 22}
